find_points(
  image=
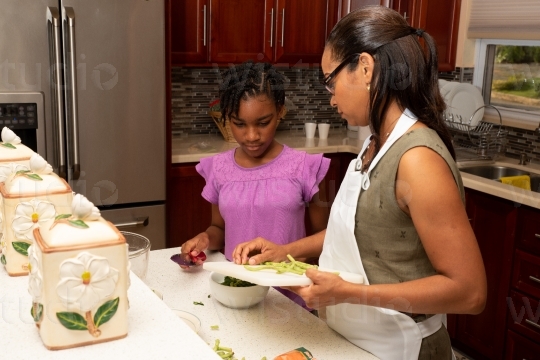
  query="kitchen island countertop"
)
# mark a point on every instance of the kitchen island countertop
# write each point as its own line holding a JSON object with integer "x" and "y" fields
{"x": 272, "y": 327}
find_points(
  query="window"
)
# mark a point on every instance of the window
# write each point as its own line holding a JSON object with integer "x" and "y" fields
{"x": 508, "y": 72}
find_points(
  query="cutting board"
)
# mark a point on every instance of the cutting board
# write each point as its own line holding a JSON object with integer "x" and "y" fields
{"x": 269, "y": 277}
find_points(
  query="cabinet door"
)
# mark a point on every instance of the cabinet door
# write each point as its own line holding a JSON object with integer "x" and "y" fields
{"x": 407, "y": 9}
{"x": 441, "y": 20}
{"x": 188, "y": 212}
{"x": 241, "y": 30}
{"x": 519, "y": 347}
{"x": 302, "y": 28}
{"x": 188, "y": 31}
{"x": 493, "y": 221}
{"x": 528, "y": 230}
{"x": 349, "y": 5}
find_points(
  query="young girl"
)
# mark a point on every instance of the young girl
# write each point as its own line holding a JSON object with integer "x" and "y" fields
{"x": 261, "y": 188}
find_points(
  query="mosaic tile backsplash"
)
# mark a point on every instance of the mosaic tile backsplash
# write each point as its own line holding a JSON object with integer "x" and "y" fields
{"x": 193, "y": 89}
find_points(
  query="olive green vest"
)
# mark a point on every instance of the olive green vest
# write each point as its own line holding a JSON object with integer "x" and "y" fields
{"x": 388, "y": 242}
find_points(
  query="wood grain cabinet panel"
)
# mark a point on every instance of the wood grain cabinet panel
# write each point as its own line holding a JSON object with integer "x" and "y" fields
{"x": 439, "y": 18}
{"x": 188, "y": 212}
{"x": 302, "y": 27}
{"x": 493, "y": 221}
{"x": 521, "y": 348}
{"x": 241, "y": 30}
{"x": 528, "y": 230}
{"x": 188, "y": 32}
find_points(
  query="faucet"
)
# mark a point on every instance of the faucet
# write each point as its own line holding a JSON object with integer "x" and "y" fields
{"x": 523, "y": 159}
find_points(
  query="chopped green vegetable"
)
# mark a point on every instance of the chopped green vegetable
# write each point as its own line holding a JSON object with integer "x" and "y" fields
{"x": 209, "y": 296}
{"x": 198, "y": 303}
{"x": 214, "y": 327}
{"x": 295, "y": 267}
{"x": 234, "y": 282}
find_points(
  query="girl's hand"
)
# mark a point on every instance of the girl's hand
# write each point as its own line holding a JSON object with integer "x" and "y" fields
{"x": 266, "y": 250}
{"x": 324, "y": 291}
{"x": 191, "y": 249}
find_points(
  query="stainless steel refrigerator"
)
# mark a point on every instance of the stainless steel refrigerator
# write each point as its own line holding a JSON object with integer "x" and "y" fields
{"x": 82, "y": 82}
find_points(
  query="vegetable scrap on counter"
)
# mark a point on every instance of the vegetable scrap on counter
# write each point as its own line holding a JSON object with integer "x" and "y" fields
{"x": 198, "y": 303}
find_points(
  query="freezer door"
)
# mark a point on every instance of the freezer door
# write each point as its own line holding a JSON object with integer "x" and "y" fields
{"x": 148, "y": 221}
{"x": 116, "y": 112}
{"x": 24, "y": 60}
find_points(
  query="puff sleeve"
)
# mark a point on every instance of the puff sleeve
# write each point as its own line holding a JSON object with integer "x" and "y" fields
{"x": 315, "y": 169}
{"x": 206, "y": 168}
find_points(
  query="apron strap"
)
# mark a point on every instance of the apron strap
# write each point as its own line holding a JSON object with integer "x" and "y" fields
{"x": 430, "y": 326}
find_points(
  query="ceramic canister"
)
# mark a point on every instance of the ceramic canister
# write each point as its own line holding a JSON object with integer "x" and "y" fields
{"x": 12, "y": 151}
{"x": 79, "y": 276}
{"x": 30, "y": 198}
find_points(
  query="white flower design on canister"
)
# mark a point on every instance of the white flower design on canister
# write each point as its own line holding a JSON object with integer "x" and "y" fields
{"x": 30, "y": 215}
{"x": 35, "y": 280}
{"x": 86, "y": 281}
{"x": 38, "y": 165}
{"x": 9, "y": 137}
{"x": 83, "y": 209}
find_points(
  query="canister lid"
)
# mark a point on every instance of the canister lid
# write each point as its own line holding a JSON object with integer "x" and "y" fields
{"x": 19, "y": 152}
{"x": 64, "y": 236}
{"x": 24, "y": 186}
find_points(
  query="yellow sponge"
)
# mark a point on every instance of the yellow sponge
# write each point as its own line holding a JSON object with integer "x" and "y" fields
{"x": 520, "y": 181}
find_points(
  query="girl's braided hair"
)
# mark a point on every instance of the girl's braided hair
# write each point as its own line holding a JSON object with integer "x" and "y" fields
{"x": 249, "y": 80}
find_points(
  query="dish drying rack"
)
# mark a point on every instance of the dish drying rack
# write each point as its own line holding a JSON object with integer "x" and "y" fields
{"x": 479, "y": 142}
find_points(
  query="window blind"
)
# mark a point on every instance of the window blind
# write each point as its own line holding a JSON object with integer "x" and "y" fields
{"x": 505, "y": 19}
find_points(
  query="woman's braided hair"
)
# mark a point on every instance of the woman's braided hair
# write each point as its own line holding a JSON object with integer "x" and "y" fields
{"x": 249, "y": 80}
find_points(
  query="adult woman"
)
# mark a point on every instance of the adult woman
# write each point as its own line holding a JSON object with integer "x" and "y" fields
{"x": 399, "y": 217}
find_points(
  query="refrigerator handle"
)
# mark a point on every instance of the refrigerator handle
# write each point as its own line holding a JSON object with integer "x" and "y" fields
{"x": 68, "y": 15}
{"x": 57, "y": 99}
{"x": 138, "y": 222}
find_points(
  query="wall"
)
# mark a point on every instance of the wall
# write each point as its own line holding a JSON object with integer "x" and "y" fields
{"x": 194, "y": 88}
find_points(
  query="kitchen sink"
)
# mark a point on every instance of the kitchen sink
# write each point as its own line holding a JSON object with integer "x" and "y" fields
{"x": 495, "y": 172}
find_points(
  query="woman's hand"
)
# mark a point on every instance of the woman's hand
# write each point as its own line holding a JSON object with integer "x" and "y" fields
{"x": 191, "y": 248}
{"x": 266, "y": 250}
{"x": 325, "y": 290}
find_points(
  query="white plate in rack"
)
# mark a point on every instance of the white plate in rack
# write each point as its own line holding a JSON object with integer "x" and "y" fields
{"x": 464, "y": 99}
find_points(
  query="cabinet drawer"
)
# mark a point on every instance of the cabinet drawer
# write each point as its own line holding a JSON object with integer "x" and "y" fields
{"x": 528, "y": 230}
{"x": 526, "y": 277}
{"x": 518, "y": 347}
{"x": 524, "y": 315}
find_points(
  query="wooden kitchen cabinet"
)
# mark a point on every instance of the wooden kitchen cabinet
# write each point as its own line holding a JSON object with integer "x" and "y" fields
{"x": 188, "y": 20}
{"x": 439, "y": 18}
{"x": 285, "y": 32}
{"x": 494, "y": 222}
{"x": 302, "y": 27}
{"x": 241, "y": 30}
{"x": 188, "y": 212}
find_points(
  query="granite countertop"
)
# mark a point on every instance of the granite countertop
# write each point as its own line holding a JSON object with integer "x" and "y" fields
{"x": 272, "y": 327}
{"x": 154, "y": 331}
{"x": 194, "y": 147}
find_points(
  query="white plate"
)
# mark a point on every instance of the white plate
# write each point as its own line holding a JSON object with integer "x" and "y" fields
{"x": 191, "y": 320}
{"x": 463, "y": 100}
{"x": 270, "y": 277}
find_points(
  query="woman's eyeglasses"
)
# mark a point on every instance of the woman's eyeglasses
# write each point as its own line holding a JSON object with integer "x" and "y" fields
{"x": 327, "y": 81}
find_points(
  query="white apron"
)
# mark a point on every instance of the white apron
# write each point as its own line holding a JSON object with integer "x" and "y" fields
{"x": 388, "y": 334}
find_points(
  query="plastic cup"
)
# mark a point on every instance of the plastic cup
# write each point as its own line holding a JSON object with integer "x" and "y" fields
{"x": 139, "y": 253}
{"x": 309, "y": 129}
{"x": 323, "y": 130}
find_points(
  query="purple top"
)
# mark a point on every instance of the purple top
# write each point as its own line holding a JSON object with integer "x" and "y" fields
{"x": 267, "y": 200}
